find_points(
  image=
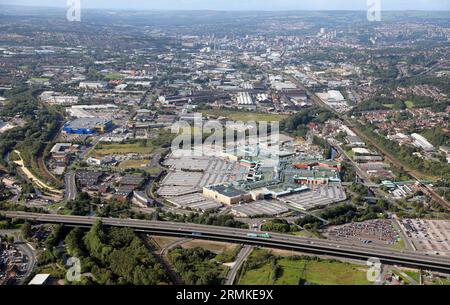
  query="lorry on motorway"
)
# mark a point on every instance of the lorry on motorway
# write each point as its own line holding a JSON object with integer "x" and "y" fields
{"x": 196, "y": 234}
{"x": 264, "y": 235}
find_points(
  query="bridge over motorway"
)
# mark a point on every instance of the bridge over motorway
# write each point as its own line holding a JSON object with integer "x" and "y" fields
{"x": 276, "y": 240}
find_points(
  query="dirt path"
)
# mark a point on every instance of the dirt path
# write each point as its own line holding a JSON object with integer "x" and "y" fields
{"x": 32, "y": 177}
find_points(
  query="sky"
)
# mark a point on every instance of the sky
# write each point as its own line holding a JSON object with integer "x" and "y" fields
{"x": 439, "y": 5}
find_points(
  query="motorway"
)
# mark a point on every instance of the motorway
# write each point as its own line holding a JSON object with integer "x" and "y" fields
{"x": 226, "y": 234}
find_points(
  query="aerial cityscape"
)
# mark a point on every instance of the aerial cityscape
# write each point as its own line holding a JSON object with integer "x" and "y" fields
{"x": 269, "y": 147}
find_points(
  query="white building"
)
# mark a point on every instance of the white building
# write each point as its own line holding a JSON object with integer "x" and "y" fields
{"x": 244, "y": 98}
{"x": 39, "y": 279}
{"x": 84, "y": 111}
{"x": 335, "y": 96}
{"x": 99, "y": 161}
{"x": 421, "y": 142}
{"x": 93, "y": 85}
{"x": 56, "y": 98}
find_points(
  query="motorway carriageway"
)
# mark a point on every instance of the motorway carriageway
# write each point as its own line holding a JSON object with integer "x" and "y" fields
{"x": 283, "y": 241}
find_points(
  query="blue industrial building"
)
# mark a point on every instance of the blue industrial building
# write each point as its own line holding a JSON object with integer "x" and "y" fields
{"x": 87, "y": 126}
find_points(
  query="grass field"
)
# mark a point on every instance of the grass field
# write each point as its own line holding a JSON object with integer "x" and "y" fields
{"x": 399, "y": 245}
{"x": 291, "y": 271}
{"x": 260, "y": 276}
{"x": 296, "y": 270}
{"x": 244, "y": 116}
{"x": 134, "y": 164}
{"x": 153, "y": 171}
{"x": 113, "y": 76}
{"x": 409, "y": 104}
{"x": 140, "y": 164}
{"x": 121, "y": 149}
{"x": 336, "y": 273}
{"x": 213, "y": 246}
{"x": 350, "y": 153}
{"x": 414, "y": 275}
{"x": 441, "y": 281}
{"x": 303, "y": 233}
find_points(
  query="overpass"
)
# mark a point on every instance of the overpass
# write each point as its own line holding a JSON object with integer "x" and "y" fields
{"x": 233, "y": 235}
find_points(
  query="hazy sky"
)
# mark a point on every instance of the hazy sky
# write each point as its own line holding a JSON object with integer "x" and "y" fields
{"x": 244, "y": 4}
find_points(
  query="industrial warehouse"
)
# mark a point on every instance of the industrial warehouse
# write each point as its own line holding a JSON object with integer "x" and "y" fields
{"x": 87, "y": 126}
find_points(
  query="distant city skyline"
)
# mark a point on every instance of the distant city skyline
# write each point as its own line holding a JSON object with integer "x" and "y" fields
{"x": 266, "y": 5}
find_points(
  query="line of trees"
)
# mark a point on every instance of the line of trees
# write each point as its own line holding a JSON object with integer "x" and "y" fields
{"x": 343, "y": 213}
{"x": 279, "y": 225}
{"x": 204, "y": 219}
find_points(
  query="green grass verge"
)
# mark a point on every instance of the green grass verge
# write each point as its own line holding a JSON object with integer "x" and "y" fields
{"x": 303, "y": 233}
{"x": 114, "y": 76}
{"x": 441, "y": 281}
{"x": 414, "y": 275}
{"x": 297, "y": 270}
{"x": 409, "y": 104}
{"x": 121, "y": 149}
{"x": 245, "y": 116}
{"x": 259, "y": 276}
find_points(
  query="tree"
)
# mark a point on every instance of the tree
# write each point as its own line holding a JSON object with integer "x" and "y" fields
{"x": 74, "y": 242}
{"x": 26, "y": 230}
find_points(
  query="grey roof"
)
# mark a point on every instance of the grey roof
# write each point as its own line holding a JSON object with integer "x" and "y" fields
{"x": 226, "y": 190}
{"x": 87, "y": 123}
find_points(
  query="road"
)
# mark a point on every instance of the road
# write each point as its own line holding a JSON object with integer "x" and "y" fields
{"x": 362, "y": 175}
{"x": 276, "y": 240}
{"x": 30, "y": 253}
{"x": 403, "y": 234}
{"x": 71, "y": 186}
{"x": 162, "y": 256}
{"x": 241, "y": 257}
{"x": 350, "y": 124}
{"x": 406, "y": 276}
{"x": 165, "y": 250}
{"x": 94, "y": 143}
{"x": 70, "y": 192}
